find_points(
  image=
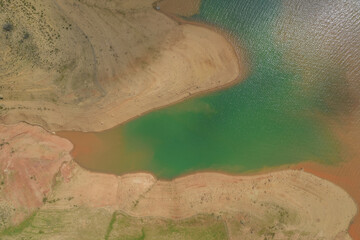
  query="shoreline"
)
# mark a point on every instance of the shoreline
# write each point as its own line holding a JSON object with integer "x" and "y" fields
{"x": 72, "y": 168}
{"x": 334, "y": 174}
{"x": 326, "y": 172}
{"x": 309, "y": 167}
{"x": 243, "y": 64}
{"x": 181, "y": 61}
{"x": 341, "y": 178}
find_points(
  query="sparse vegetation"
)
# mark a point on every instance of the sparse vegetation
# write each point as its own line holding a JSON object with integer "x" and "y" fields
{"x": 3, "y": 143}
{"x": 48, "y": 224}
{"x": 19, "y": 228}
{"x": 197, "y": 227}
{"x": 110, "y": 227}
{"x": 8, "y": 27}
{"x": 26, "y": 35}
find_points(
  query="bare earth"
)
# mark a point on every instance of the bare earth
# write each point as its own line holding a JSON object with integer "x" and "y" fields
{"x": 347, "y": 173}
{"x": 95, "y": 64}
{"x": 184, "y": 8}
{"x": 289, "y": 203}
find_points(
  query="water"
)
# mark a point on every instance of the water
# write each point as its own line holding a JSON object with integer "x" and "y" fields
{"x": 304, "y": 59}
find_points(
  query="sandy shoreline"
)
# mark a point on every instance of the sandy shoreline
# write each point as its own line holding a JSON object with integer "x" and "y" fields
{"x": 345, "y": 174}
{"x": 330, "y": 173}
{"x": 243, "y": 68}
{"x": 299, "y": 201}
{"x": 347, "y": 177}
{"x": 159, "y": 66}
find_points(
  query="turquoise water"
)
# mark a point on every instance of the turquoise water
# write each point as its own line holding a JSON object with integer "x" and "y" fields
{"x": 274, "y": 117}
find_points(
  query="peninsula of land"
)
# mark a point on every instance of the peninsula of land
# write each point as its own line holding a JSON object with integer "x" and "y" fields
{"x": 96, "y": 64}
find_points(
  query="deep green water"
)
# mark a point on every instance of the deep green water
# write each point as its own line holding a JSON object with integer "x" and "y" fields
{"x": 274, "y": 117}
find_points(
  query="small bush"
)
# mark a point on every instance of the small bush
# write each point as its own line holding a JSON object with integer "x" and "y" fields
{"x": 8, "y": 27}
{"x": 26, "y": 35}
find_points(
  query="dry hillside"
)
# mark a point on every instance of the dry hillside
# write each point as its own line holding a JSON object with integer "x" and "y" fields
{"x": 89, "y": 65}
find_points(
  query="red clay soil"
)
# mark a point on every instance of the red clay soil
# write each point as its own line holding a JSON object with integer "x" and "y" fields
{"x": 30, "y": 157}
{"x": 347, "y": 174}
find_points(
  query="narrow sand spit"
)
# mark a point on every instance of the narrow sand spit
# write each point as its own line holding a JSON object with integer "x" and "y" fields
{"x": 32, "y": 157}
{"x": 114, "y": 61}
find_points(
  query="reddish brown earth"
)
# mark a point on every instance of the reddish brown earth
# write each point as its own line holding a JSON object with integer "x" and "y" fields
{"x": 347, "y": 173}
{"x": 30, "y": 157}
{"x": 347, "y": 176}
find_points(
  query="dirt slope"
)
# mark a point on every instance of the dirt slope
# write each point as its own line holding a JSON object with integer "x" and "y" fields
{"x": 90, "y": 65}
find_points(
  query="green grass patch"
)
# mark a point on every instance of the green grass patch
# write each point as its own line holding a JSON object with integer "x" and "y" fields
{"x": 19, "y": 228}
{"x": 110, "y": 227}
{"x": 198, "y": 227}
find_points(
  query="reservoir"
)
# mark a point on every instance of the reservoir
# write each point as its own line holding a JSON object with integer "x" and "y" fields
{"x": 303, "y": 58}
